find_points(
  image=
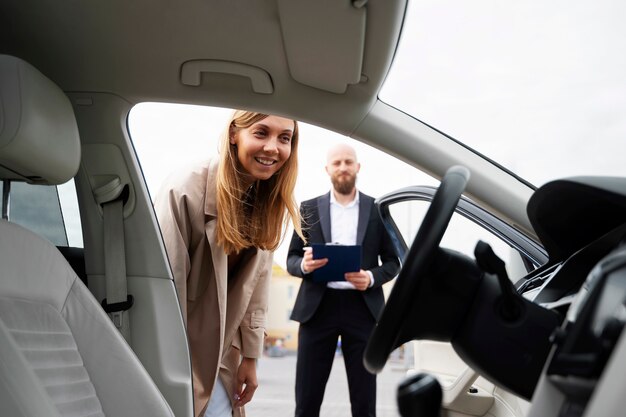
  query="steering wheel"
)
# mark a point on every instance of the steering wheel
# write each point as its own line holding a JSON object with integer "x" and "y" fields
{"x": 417, "y": 263}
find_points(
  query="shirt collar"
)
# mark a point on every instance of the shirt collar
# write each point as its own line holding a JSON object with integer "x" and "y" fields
{"x": 356, "y": 200}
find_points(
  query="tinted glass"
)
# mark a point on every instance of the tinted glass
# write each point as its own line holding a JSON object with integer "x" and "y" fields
{"x": 37, "y": 208}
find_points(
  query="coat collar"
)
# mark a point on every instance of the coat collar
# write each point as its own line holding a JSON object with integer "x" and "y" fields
{"x": 220, "y": 261}
{"x": 210, "y": 194}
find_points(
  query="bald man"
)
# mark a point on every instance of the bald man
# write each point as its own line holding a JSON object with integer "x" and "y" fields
{"x": 348, "y": 309}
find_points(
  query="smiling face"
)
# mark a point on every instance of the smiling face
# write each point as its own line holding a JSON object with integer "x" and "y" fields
{"x": 263, "y": 147}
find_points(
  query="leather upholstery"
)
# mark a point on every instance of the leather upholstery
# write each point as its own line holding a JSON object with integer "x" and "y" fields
{"x": 60, "y": 355}
{"x": 39, "y": 140}
{"x": 60, "y": 340}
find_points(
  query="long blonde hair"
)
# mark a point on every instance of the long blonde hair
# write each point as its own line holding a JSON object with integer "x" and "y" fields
{"x": 255, "y": 217}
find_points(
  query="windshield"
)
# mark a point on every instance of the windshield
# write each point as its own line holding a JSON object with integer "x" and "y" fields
{"x": 539, "y": 87}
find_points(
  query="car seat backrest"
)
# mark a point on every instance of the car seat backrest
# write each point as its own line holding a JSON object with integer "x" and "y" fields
{"x": 60, "y": 355}
{"x": 39, "y": 140}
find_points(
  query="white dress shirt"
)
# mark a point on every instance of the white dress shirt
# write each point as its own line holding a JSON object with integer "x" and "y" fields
{"x": 344, "y": 221}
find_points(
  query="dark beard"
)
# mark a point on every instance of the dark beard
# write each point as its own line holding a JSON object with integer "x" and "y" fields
{"x": 344, "y": 187}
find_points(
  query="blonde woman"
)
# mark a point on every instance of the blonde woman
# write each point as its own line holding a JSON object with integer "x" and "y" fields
{"x": 220, "y": 224}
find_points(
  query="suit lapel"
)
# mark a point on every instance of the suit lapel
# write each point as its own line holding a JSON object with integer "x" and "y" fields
{"x": 365, "y": 208}
{"x": 323, "y": 208}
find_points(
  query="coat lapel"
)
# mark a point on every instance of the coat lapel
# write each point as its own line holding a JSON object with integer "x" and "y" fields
{"x": 323, "y": 208}
{"x": 220, "y": 265}
{"x": 365, "y": 208}
{"x": 243, "y": 285}
{"x": 220, "y": 261}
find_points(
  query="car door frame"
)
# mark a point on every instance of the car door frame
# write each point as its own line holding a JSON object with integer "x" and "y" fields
{"x": 533, "y": 253}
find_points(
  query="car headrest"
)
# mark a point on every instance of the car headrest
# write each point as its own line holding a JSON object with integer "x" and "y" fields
{"x": 39, "y": 140}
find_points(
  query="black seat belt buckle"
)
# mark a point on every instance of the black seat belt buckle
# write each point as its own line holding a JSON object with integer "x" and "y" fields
{"x": 121, "y": 306}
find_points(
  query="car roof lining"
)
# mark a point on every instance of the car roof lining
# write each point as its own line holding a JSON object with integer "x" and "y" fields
{"x": 137, "y": 50}
{"x": 129, "y": 61}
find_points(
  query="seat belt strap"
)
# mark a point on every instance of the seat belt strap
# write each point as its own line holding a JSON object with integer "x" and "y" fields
{"x": 117, "y": 301}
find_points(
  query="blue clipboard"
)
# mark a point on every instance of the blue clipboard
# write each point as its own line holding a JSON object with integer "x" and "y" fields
{"x": 341, "y": 259}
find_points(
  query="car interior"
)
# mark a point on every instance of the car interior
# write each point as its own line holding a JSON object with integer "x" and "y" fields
{"x": 95, "y": 328}
{"x": 58, "y": 341}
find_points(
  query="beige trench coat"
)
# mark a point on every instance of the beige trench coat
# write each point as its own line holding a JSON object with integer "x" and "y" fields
{"x": 225, "y": 318}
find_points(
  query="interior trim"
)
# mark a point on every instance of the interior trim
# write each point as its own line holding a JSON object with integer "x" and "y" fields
{"x": 191, "y": 73}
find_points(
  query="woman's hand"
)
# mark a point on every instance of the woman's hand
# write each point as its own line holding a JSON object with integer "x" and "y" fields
{"x": 246, "y": 375}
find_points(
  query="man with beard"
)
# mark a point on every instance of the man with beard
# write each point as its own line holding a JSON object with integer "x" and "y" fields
{"x": 347, "y": 309}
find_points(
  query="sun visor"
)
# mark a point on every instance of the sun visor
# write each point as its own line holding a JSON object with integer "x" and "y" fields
{"x": 39, "y": 140}
{"x": 324, "y": 41}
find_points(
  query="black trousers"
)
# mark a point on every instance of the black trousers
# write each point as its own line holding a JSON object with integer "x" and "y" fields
{"x": 341, "y": 313}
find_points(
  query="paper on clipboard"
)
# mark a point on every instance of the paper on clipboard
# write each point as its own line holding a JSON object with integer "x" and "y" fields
{"x": 341, "y": 259}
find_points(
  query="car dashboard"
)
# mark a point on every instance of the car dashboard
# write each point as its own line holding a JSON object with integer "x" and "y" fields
{"x": 582, "y": 223}
{"x": 547, "y": 338}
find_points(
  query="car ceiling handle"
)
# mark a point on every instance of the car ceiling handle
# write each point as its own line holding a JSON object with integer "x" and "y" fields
{"x": 191, "y": 73}
{"x": 461, "y": 396}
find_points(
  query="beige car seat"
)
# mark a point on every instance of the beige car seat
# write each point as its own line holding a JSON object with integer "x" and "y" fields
{"x": 60, "y": 355}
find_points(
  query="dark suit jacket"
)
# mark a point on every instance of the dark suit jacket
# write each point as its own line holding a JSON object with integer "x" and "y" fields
{"x": 372, "y": 237}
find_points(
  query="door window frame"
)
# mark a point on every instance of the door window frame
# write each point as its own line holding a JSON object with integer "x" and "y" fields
{"x": 533, "y": 254}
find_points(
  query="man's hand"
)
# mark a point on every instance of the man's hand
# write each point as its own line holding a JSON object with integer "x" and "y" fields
{"x": 309, "y": 264}
{"x": 246, "y": 375}
{"x": 360, "y": 280}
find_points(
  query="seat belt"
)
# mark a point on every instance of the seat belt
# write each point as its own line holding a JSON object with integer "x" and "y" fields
{"x": 111, "y": 196}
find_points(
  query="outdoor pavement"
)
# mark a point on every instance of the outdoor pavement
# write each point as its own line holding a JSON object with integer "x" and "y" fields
{"x": 275, "y": 395}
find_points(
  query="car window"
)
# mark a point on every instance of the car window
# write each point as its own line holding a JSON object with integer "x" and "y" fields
{"x": 71, "y": 215}
{"x": 536, "y": 86}
{"x": 461, "y": 235}
{"x": 49, "y": 211}
{"x": 171, "y": 137}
